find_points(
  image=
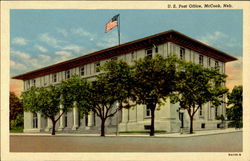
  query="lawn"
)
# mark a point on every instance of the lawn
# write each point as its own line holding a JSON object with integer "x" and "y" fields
{"x": 144, "y": 132}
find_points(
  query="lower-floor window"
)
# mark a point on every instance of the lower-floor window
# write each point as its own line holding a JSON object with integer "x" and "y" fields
{"x": 79, "y": 119}
{"x": 86, "y": 120}
{"x": 94, "y": 119}
{"x": 34, "y": 120}
{"x": 148, "y": 111}
{"x": 201, "y": 111}
{"x": 66, "y": 119}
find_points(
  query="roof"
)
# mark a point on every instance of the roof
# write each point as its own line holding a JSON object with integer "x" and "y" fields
{"x": 168, "y": 36}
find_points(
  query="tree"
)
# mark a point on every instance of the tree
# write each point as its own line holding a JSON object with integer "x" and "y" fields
{"x": 119, "y": 77}
{"x": 197, "y": 85}
{"x": 76, "y": 92}
{"x": 112, "y": 86}
{"x": 234, "y": 113}
{"x": 103, "y": 99}
{"x": 154, "y": 81}
{"x": 16, "y": 108}
{"x": 44, "y": 100}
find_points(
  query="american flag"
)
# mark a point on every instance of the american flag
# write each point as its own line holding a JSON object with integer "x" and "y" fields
{"x": 112, "y": 23}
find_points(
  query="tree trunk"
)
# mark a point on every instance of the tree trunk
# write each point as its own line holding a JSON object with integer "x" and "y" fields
{"x": 53, "y": 127}
{"x": 191, "y": 125}
{"x": 152, "y": 126}
{"x": 103, "y": 127}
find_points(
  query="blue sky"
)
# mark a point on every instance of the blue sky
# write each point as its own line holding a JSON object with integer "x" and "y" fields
{"x": 40, "y": 38}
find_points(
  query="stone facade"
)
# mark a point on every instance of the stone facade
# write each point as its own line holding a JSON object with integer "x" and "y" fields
{"x": 138, "y": 117}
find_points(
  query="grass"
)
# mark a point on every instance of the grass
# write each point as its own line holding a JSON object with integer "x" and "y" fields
{"x": 144, "y": 132}
{"x": 16, "y": 130}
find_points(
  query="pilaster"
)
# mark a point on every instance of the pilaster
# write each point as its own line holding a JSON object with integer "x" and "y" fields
{"x": 75, "y": 117}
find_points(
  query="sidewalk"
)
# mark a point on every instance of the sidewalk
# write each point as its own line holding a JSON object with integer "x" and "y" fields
{"x": 169, "y": 135}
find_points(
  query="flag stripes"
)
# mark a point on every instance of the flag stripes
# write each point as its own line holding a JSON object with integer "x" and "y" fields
{"x": 112, "y": 23}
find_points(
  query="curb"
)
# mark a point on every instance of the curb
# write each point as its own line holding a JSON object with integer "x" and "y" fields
{"x": 128, "y": 135}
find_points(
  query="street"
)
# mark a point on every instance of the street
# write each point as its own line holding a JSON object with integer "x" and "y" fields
{"x": 227, "y": 142}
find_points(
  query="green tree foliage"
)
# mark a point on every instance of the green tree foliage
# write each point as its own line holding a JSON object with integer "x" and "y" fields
{"x": 196, "y": 85}
{"x": 118, "y": 76}
{"x": 154, "y": 81}
{"x": 76, "y": 92}
{"x": 16, "y": 110}
{"x": 234, "y": 113}
{"x": 113, "y": 86}
{"x": 44, "y": 100}
{"x": 18, "y": 122}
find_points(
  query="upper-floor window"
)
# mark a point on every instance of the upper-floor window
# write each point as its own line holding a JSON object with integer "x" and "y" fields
{"x": 216, "y": 63}
{"x": 44, "y": 81}
{"x": 133, "y": 55}
{"x": 67, "y": 74}
{"x": 201, "y": 59}
{"x": 54, "y": 78}
{"x": 149, "y": 53}
{"x": 82, "y": 71}
{"x": 209, "y": 62}
{"x": 97, "y": 65}
{"x": 182, "y": 53}
{"x": 28, "y": 84}
{"x": 156, "y": 49}
{"x": 33, "y": 82}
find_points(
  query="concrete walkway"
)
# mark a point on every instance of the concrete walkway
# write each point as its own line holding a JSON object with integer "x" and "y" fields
{"x": 169, "y": 135}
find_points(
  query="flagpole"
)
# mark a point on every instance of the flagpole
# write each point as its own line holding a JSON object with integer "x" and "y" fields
{"x": 118, "y": 29}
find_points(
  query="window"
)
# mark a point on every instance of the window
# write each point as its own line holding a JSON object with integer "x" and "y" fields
{"x": 156, "y": 49}
{"x": 94, "y": 123}
{"x": 82, "y": 71}
{"x": 201, "y": 111}
{"x": 149, "y": 53}
{"x": 133, "y": 55}
{"x": 96, "y": 67}
{"x": 216, "y": 64}
{"x": 114, "y": 59}
{"x": 35, "y": 120}
{"x": 86, "y": 119}
{"x": 66, "y": 119}
{"x": 216, "y": 111}
{"x": 148, "y": 111}
{"x": 44, "y": 81}
{"x": 67, "y": 74}
{"x": 33, "y": 82}
{"x": 201, "y": 59}
{"x": 182, "y": 53}
{"x": 28, "y": 84}
{"x": 79, "y": 119}
{"x": 54, "y": 78}
{"x": 209, "y": 62}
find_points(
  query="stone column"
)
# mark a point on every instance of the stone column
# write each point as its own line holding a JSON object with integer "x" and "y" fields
{"x": 123, "y": 115}
{"x": 39, "y": 121}
{"x": 75, "y": 118}
{"x": 213, "y": 113}
{"x": 49, "y": 125}
{"x": 209, "y": 111}
{"x": 90, "y": 119}
{"x": 62, "y": 119}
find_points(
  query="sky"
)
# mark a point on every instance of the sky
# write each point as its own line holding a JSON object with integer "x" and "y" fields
{"x": 40, "y": 38}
